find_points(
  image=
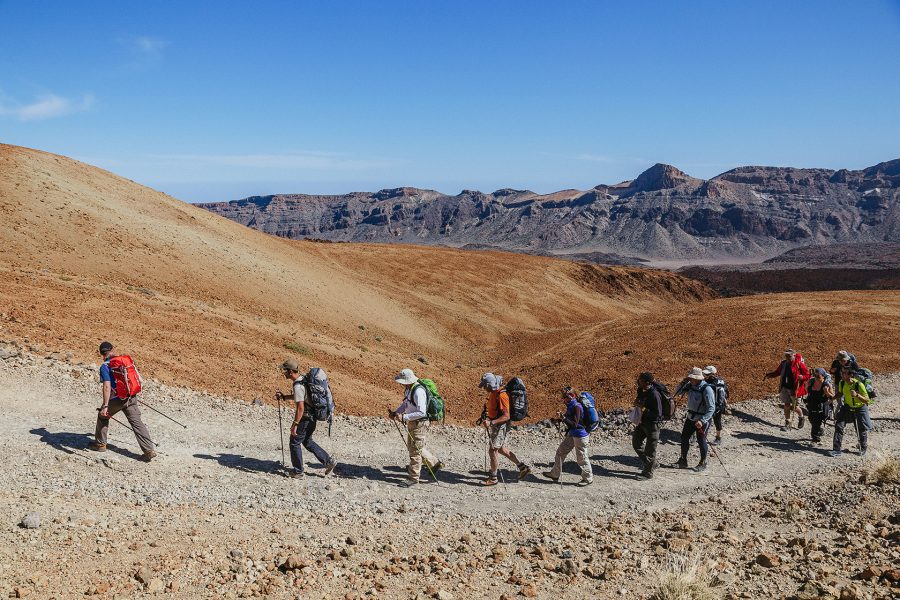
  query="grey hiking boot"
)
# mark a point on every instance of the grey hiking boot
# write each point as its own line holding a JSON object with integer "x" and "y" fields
{"x": 682, "y": 463}
{"x": 701, "y": 466}
{"x": 550, "y": 476}
{"x": 585, "y": 482}
{"x": 330, "y": 466}
{"x": 835, "y": 453}
{"x": 862, "y": 451}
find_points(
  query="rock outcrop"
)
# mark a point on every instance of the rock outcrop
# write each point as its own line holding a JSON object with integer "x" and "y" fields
{"x": 748, "y": 212}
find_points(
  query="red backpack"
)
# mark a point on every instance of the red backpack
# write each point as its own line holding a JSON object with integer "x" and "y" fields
{"x": 126, "y": 379}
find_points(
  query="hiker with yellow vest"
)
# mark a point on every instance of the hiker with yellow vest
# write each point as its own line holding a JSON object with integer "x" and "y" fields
{"x": 854, "y": 409}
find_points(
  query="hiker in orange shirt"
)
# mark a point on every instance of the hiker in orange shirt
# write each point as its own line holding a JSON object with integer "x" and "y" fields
{"x": 496, "y": 422}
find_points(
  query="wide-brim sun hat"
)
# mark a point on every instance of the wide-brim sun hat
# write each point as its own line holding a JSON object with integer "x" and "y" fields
{"x": 696, "y": 373}
{"x": 710, "y": 370}
{"x": 406, "y": 377}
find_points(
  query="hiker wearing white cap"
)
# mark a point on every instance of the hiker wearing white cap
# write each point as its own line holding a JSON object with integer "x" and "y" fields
{"x": 721, "y": 389}
{"x": 701, "y": 406}
{"x": 793, "y": 374}
{"x": 413, "y": 412}
{"x": 496, "y": 421}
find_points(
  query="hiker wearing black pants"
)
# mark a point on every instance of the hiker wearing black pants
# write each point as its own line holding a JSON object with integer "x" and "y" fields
{"x": 701, "y": 406}
{"x": 818, "y": 402}
{"x": 710, "y": 372}
{"x": 854, "y": 409}
{"x": 304, "y": 425}
{"x": 645, "y": 438}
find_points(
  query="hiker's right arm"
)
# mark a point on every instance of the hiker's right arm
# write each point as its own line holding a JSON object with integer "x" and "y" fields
{"x": 107, "y": 394}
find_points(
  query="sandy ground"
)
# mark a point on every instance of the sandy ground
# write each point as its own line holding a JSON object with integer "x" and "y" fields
{"x": 209, "y": 518}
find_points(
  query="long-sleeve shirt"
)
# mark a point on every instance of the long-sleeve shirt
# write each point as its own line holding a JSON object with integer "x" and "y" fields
{"x": 415, "y": 404}
{"x": 651, "y": 402}
{"x": 572, "y": 419}
{"x": 701, "y": 404}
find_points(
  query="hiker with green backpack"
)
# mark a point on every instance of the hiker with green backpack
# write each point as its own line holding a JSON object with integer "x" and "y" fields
{"x": 496, "y": 420}
{"x": 854, "y": 408}
{"x": 421, "y": 405}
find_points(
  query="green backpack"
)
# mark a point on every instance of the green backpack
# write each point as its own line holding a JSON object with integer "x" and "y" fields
{"x": 435, "y": 404}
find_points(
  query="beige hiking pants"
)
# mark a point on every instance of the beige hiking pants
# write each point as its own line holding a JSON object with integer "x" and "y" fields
{"x": 580, "y": 445}
{"x": 133, "y": 414}
{"x": 415, "y": 443}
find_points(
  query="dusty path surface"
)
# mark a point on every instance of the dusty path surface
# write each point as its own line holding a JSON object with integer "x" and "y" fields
{"x": 208, "y": 518}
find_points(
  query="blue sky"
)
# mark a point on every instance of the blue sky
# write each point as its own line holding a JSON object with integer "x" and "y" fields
{"x": 220, "y": 100}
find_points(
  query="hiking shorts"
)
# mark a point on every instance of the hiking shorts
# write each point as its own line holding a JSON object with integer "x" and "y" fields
{"x": 788, "y": 399}
{"x": 497, "y": 435}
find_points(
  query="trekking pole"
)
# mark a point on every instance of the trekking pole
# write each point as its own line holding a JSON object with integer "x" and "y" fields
{"x": 140, "y": 435}
{"x": 281, "y": 433}
{"x": 714, "y": 452}
{"x": 161, "y": 413}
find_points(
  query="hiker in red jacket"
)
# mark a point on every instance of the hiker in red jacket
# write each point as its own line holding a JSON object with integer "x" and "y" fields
{"x": 793, "y": 375}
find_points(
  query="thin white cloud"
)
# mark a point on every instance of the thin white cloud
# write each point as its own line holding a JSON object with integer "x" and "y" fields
{"x": 146, "y": 45}
{"x": 47, "y": 106}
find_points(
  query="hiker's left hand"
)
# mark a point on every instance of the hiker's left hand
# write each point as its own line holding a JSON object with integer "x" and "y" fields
{"x": 698, "y": 425}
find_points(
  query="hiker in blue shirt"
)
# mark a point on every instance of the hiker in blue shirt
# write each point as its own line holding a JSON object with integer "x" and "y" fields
{"x": 576, "y": 438}
{"x": 701, "y": 406}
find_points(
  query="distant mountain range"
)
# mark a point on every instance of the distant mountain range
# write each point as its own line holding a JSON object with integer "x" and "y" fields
{"x": 663, "y": 214}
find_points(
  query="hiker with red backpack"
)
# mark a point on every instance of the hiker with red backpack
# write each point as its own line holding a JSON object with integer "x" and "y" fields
{"x": 496, "y": 422}
{"x": 576, "y": 438}
{"x": 313, "y": 401}
{"x": 655, "y": 404}
{"x": 414, "y": 413}
{"x": 121, "y": 383}
{"x": 793, "y": 374}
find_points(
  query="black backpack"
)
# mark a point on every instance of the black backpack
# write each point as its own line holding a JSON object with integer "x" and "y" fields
{"x": 318, "y": 396}
{"x": 518, "y": 399}
{"x": 668, "y": 400}
{"x": 721, "y": 394}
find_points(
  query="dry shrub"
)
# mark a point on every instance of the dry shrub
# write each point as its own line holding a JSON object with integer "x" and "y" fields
{"x": 687, "y": 578}
{"x": 883, "y": 469}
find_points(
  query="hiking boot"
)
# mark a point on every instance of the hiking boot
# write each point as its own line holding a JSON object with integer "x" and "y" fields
{"x": 149, "y": 455}
{"x": 701, "y": 466}
{"x": 817, "y": 440}
{"x": 786, "y": 426}
{"x": 437, "y": 467}
{"x": 295, "y": 474}
{"x": 97, "y": 447}
{"x": 489, "y": 481}
{"x": 717, "y": 441}
{"x": 835, "y": 453}
{"x": 645, "y": 475}
{"x": 410, "y": 482}
{"x": 330, "y": 466}
{"x": 585, "y": 482}
{"x": 682, "y": 463}
{"x": 801, "y": 422}
{"x": 550, "y": 476}
{"x": 524, "y": 471}
{"x": 862, "y": 451}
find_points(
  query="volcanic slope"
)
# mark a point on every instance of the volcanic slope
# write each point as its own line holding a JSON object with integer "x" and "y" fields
{"x": 203, "y": 301}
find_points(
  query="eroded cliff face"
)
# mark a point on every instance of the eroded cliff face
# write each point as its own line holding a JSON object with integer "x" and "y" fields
{"x": 747, "y": 212}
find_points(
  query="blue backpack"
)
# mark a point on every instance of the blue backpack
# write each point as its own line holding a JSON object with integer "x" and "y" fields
{"x": 590, "y": 420}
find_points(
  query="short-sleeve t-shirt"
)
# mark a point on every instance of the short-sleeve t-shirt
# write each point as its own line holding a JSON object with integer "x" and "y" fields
{"x": 299, "y": 391}
{"x": 106, "y": 376}
{"x": 497, "y": 402}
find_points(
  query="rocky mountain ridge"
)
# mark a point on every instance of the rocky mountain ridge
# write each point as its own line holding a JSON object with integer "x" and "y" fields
{"x": 747, "y": 212}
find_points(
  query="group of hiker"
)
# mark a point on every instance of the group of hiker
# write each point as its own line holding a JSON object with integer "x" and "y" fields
{"x": 507, "y": 403}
